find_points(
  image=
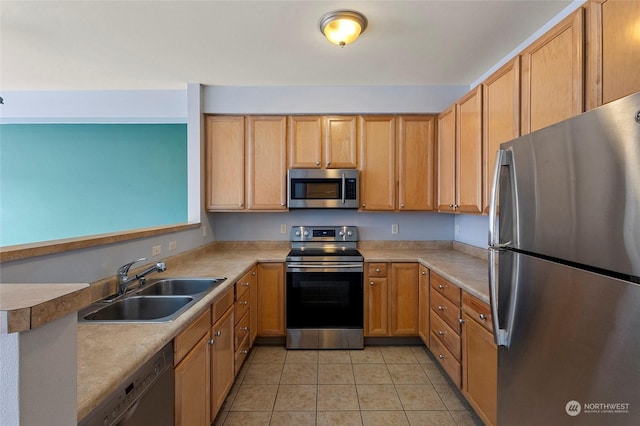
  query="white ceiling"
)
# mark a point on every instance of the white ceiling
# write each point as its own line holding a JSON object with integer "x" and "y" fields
{"x": 104, "y": 45}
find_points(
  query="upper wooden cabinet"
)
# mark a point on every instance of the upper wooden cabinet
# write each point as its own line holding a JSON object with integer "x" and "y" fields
{"x": 416, "y": 148}
{"x": 553, "y": 75}
{"x": 396, "y": 162}
{"x": 224, "y": 160}
{"x": 613, "y": 50}
{"x": 500, "y": 118}
{"x": 460, "y": 155}
{"x": 266, "y": 163}
{"x": 319, "y": 142}
{"x": 245, "y": 163}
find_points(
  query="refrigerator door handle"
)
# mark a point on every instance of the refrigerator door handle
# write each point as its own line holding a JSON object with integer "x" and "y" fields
{"x": 498, "y": 333}
{"x": 503, "y": 158}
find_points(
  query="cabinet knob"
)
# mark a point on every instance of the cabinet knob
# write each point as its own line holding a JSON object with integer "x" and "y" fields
{"x": 377, "y": 269}
{"x": 441, "y": 333}
{"x": 244, "y": 302}
{"x": 460, "y": 320}
{"x": 371, "y": 283}
{"x": 455, "y": 206}
{"x": 483, "y": 317}
{"x": 212, "y": 341}
{"x": 253, "y": 274}
{"x": 246, "y": 284}
{"x": 218, "y": 333}
{"x": 328, "y": 162}
{"x": 364, "y": 205}
{"x": 244, "y": 351}
{"x": 441, "y": 356}
{"x": 244, "y": 328}
{"x": 240, "y": 204}
{"x": 282, "y": 204}
{"x": 441, "y": 308}
{"x": 317, "y": 163}
{"x": 442, "y": 286}
{"x": 451, "y": 205}
{"x": 402, "y": 206}
{"x": 424, "y": 273}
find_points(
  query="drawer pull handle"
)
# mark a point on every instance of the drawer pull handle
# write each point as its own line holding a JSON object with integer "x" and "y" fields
{"x": 371, "y": 283}
{"x": 244, "y": 302}
{"x": 441, "y": 308}
{"x": 483, "y": 317}
{"x": 218, "y": 333}
{"x": 244, "y": 328}
{"x": 377, "y": 269}
{"x": 424, "y": 273}
{"x": 442, "y": 287}
{"x": 441, "y": 356}
{"x": 460, "y": 320}
{"x": 441, "y": 333}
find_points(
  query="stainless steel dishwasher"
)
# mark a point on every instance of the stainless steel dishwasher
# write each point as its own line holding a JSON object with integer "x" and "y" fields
{"x": 145, "y": 398}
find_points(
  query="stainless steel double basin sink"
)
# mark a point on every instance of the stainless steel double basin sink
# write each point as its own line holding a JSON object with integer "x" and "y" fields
{"x": 158, "y": 300}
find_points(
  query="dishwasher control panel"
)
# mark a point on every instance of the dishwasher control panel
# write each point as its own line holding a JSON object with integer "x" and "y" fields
{"x": 118, "y": 404}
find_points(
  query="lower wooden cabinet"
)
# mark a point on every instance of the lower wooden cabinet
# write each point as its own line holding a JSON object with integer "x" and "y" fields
{"x": 192, "y": 386}
{"x": 271, "y": 301}
{"x": 423, "y": 304}
{"x": 245, "y": 312}
{"x": 391, "y": 303}
{"x": 479, "y": 359}
{"x": 222, "y": 358}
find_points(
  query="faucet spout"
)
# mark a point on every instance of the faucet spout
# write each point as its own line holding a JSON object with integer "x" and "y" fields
{"x": 124, "y": 280}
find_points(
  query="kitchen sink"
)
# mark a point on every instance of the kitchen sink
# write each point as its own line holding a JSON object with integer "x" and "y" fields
{"x": 179, "y": 286}
{"x": 138, "y": 309}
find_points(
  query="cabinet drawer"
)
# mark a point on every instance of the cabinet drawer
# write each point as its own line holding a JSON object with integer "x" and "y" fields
{"x": 242, "y": 330}
{"x": 186, "y": 340}
{"x": 446, "y": 359}
{"x": 241, "y": 353}
{"x": 446, "y": 335}
{"x": 221, "y": 305}
{"x": 478, "y": 310}
{"x": 242, "y": 306}
{"x": 377, "y": 270}
{"x": 444, "y": 287}
{"x": 244, "y": 284}
{"x": 449, "y": 312}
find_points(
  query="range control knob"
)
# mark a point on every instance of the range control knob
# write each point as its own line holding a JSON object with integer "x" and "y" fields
{"x": 306, "y": 233}
{"x": 297, "y": 233}
{"x": 349, "y": 233}
{"x": 341, "y": 233}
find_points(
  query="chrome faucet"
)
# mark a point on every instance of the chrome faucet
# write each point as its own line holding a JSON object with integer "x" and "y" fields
{"x": 124, "y": 280}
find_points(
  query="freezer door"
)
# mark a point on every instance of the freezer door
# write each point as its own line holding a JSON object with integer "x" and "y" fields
{"x": 574, "y": 346}
{"x": 576, "y": 189}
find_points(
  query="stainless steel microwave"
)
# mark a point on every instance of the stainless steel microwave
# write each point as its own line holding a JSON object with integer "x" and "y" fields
{"x": 322, "y": 189}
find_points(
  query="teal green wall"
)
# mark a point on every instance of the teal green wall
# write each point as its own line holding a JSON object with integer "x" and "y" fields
{"x": 67, "y": 180}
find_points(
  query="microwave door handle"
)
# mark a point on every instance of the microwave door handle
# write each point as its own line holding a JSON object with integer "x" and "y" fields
{"x": 344, "y": 188}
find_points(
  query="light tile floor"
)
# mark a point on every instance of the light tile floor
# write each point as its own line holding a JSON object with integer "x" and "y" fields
{"x": 380, "y": 385}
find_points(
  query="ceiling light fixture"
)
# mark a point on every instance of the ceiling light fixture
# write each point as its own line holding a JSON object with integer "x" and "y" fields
{"x": 342, "y": 27}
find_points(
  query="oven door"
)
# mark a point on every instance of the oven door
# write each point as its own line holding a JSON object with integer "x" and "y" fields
{"x": 319, "y": 297}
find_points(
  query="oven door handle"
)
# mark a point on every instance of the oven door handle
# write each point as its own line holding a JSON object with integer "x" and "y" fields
{"x": 312, "y": 266}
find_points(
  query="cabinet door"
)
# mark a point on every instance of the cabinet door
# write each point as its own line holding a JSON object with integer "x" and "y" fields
{"x": 500, "y": 118}
{"x": 415, "y": 162}
{"x": 479, "y": 369}
{"x": 403, "y": 298}
{"x": 553, "y": 75}
{"x": 271, "y": 299}
{"x": 376, "y": 296}
{"x": 266, "y": 163}
{"x": 305, "y": 142}
{"x": 613, "y": 54}
{"x": 378, "y": 162}
{"x": 423, "y": 304}
{"x": 224, "y": 163}
{"x": 446, "y": 157}
{"x": 340, "y": 142}
{"x": 222, "y": 359}
{"x": 253, "y": 305}
{"x": 192, "y": 386}
{"x": 469, "y": 153}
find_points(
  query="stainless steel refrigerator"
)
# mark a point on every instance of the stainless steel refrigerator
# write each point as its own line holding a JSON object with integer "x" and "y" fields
{"x": 564, "y": 271}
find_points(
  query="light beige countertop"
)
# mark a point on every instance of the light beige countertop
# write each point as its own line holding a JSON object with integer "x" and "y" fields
{"x": 22, "y": 308}
{"x": 108, "y": 353}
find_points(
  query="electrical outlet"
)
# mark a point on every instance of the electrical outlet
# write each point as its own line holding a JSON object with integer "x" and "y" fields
{"x": 156, "y": 250}
{"x": 394, "y": 228}
{"x": 283, "y": 228}
{"x": 172, "y": 245}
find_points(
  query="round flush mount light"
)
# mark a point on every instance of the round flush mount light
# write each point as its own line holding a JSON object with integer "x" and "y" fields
{"x": 342, "y": 27}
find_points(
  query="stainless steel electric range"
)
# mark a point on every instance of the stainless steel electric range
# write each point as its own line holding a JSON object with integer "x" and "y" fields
{"x": 324, "y": 293}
